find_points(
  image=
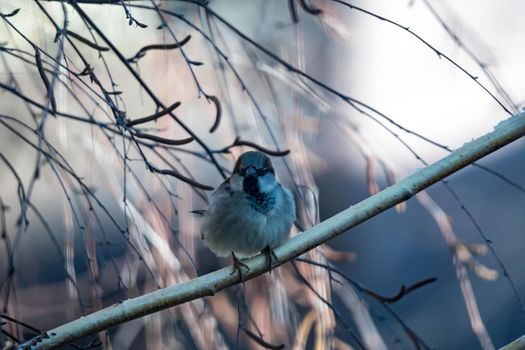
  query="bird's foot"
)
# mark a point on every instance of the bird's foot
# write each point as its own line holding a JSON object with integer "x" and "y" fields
{"x": 237, "y": 266}
{"x": 270, "y": 257}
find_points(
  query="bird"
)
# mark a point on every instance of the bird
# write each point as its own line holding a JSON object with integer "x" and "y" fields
{"x": 250, "y": 212}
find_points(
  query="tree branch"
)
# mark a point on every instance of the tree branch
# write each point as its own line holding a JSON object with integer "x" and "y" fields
{"x": 518, "y": 344}
{"x": 503, "y": 134}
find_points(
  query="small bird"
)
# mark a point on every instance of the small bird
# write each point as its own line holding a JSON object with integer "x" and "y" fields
{"x": 249, "y": 212}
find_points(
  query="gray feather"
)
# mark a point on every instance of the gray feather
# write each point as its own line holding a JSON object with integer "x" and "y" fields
{"x": 245, "y": 222}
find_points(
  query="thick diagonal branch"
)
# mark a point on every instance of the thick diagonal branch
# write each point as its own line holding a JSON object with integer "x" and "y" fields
{"x": 503, "y": 134}
{"x": 518, "y": 344}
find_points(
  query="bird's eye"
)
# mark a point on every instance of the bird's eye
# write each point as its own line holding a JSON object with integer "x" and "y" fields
{"x": 268, "y": 169}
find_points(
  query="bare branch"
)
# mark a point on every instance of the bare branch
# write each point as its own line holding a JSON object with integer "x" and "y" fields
{"x": 142, "y": 52}
{"x": 518, "y": 344}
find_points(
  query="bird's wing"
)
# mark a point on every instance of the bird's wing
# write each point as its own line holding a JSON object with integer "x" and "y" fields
{"x": 224, "y": 190}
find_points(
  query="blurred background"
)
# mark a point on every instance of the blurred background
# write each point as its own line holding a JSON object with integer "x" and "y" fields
{"x": 96, "y": 202}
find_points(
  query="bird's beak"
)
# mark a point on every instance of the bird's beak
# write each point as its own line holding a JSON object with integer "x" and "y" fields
{"x": 250, "y": 171}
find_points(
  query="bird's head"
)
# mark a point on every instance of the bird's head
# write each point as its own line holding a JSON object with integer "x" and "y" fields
{"x": 254, "y": 173}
